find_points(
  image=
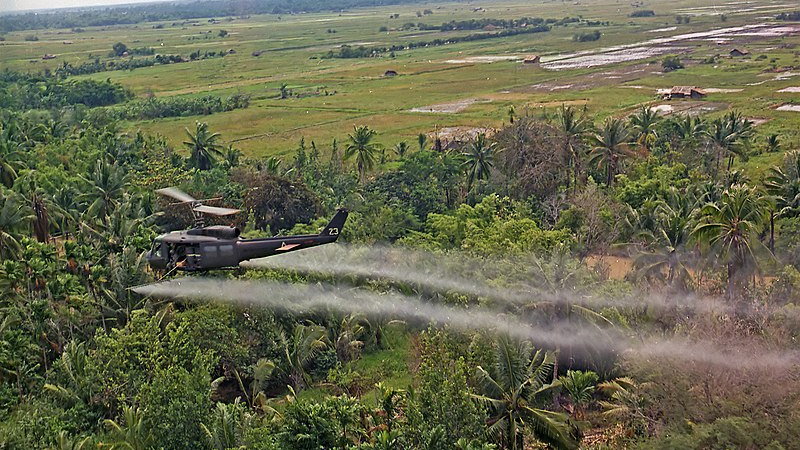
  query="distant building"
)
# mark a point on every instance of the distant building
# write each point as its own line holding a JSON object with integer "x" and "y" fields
{"x": 48, "y": 56}
{"x": 257, "y": 53}
{"x": 67, "y": 42}
{"x": 390, "y": 73}
{"x": 682, "y": 92}
{"x": 739, "y": 52}
{"x": 231, "y": 51}
{"x": 531, "y": 59}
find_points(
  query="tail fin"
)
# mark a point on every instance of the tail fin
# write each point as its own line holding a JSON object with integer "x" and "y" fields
{"x": 336, "y": 224}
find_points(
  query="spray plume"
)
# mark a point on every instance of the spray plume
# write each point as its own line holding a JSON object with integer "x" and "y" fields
{"x": 467, "y": 275}
{"x": 304, "y": 298}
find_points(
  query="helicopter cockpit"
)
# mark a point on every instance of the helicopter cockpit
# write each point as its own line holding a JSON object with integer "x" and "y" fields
{"x": 158, "y": 256}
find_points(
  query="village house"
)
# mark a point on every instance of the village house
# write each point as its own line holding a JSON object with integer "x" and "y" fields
{"x": 531, "y": 59}
{"x": 682, "y": 92}
{"x": 48, "y": 56}
{"x": 390, "y": 73}
{"x": 737, "y": 52}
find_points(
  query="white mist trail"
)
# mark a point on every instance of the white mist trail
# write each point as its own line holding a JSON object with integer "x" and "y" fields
{"x": 460, "y": 273}
{"x": 301, "y": 298}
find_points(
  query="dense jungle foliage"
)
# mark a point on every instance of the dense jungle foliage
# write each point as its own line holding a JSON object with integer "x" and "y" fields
{"x": 87, "y": 363}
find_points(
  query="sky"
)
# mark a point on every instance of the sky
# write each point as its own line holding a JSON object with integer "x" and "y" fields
{"x": 17, "y": 5}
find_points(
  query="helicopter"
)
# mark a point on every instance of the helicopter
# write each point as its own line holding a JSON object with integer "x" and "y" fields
{"x": 204, "y": 248}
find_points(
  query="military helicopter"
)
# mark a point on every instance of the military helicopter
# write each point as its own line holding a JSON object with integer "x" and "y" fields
{"x": 205, "y": 248}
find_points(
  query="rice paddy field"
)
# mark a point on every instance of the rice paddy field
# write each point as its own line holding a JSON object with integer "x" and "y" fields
{"x": 458, "y": 86}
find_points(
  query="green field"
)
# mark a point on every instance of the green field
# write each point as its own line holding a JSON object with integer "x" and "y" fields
{"x": 291, "y": 47}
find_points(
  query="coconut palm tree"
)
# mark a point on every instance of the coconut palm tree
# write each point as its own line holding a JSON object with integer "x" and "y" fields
{"x": 730, "y": 134}
{"x": 133, "y": 433}
{"x": 203, "y": 146}
{"x": 688, "y": 128}
{"x": 14, "y": 218}
{"x": 478, "y": 159}
{"x": 401, "y": 148}
{"x": 773, "y": 143}
{"x": 362, "y": 147}
{"x": 667, "y": 256}
{"x": 783, "y": 184}
{"x": 347, "y": 336}
{"x": 574, "y": 126}
{"x": 232, "y": 157}
{"x": 10, "y": 162}
{"x": 305, "y": 342}
{"x": 731, "y": 227}
{"x": 610, "y": 145}
{"x": 644, "y": 124}
{"x": 106, "y": 186}
{"x": 580, "y": 387}
{"x": 422, "y": 141}
{"x": 625, "y": 400}
{"x": 511, "y": 389}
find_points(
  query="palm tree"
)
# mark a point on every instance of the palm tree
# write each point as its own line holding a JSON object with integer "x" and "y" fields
{"x": 574, "y": 126}
{"x": 106, "y": 185}
{"x": 610, "y": 146}
{"x": 689, "y": 128}
{"x": 783, "y": 184}
{"x": 773, "y": 143}
{"x": 305, "y": 342}
{"x": 731, "y": 226}
{"x": 478, "y": 159}
{"x": 670, "y": 235}
{"x": 401, "y": 148}
{"x": 225, "y": 431}
{"x": 348, "y": 336}
{"x": 511, "y": 389}
{"x": 10, "y": 162}
{"x": 512, "y": 114}
{"x": 133, "y": 434}
{"x": 644, "y": 126}
{"x": 14, "y": 218}
{"x": 203, "y": 147}
{"x": 731, "y": 134}
{"x": 422, "y": 141}
{"x": 625, "y": 400}
{"x": 579, "y": 386}
{"x": 362, "y": 147}
{"x": 232, "y": 157}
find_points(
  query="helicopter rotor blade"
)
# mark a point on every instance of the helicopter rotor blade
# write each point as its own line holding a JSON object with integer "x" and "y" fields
{"x": 177, "y": 194}
{"x": 216, "y": 211}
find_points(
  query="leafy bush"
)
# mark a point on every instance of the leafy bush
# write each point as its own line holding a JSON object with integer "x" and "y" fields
{"x": 643, "y": 13}
{"x": 587, "y": 36}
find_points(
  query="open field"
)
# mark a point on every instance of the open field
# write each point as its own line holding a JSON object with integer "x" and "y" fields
{"x": 467, "y": 84}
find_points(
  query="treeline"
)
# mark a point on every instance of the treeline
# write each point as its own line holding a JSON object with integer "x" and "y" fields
{"x": 477, "y": 24}
{"x": 67, "y": 69}
{"x": 155, "y": 108}
{"x": 175, "y": 11}
{"x": 347, "y": 51}
{"x": 24, "y": 91}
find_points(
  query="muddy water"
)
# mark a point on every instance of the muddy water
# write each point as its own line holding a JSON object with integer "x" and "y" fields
{"x": 565, "y": 61}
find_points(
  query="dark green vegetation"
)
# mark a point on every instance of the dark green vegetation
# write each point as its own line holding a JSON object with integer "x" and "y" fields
{"x": 175, "y": 11}
{"x": 656, "y": 254}
{"x": 86, "y": 363}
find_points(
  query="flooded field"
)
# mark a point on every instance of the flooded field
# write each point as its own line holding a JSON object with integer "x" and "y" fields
{"x": 613, "y": 57}
{"x": 789, "y": 107}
